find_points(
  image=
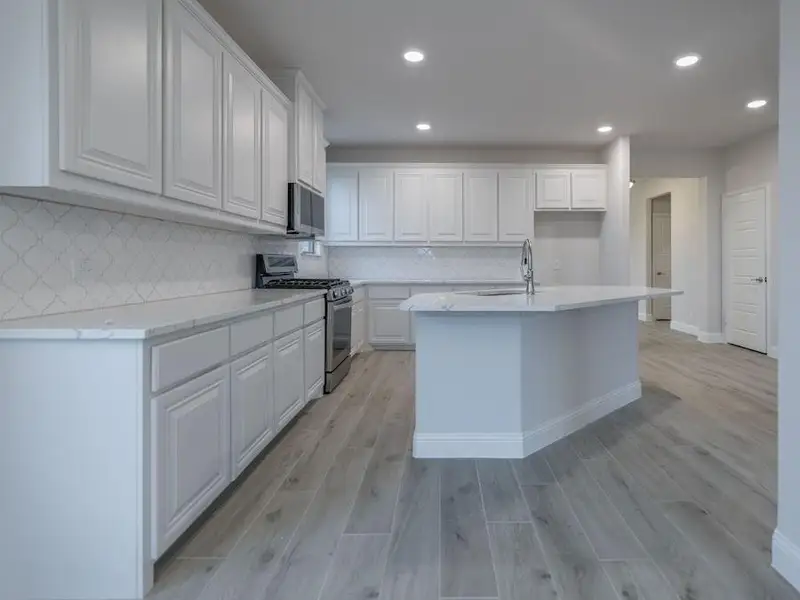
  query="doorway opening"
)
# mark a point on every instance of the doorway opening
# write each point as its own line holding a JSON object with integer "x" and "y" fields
{"x": 661, "y": 254}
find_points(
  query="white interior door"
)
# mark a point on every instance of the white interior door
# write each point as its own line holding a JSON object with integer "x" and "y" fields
{"x": 661, "y": 253}
{"x": 746, "y": 270}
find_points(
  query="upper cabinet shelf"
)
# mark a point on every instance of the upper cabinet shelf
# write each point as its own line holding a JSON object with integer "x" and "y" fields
{"x": 307, "y": 140}
{"x": 193, "y": 132}
{"x": 440, "y": 205}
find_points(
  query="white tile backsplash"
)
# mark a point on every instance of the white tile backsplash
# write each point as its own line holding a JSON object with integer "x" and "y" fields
{"x": 57, "y": 258}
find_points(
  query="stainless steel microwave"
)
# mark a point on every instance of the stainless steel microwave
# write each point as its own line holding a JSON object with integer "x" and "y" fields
{"x": 306, "y": 211}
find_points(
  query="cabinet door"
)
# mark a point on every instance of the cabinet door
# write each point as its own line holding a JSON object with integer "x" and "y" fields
{"x": 410, "y": 207}
{"x": 242, "y": 133}
{"x": 191, "y": 452}
{"x": 193, "y": 109}
{"x": 274, "y": 160}
{"x": 445, "y": 197}
{"x": 111, "y": 84}
{"x": 553, "y": 190}
{"x": 290, "y": 391}
{"x": 314, "y": 360}
{"x": 342, "y": 210}
{"x": 589, "y": 189}
{"x": 304, "y": 106}
{"x": 319, "y": 148}
{"x": 354, "y": 329}
{"x": 252, "y": 407}
{"x": 480, "y": 206}
{"x": 515, "y": 206}
{"x": 388, "y": 324}
{"x": 359, "y": 327}
{"x": 375, "y": 205}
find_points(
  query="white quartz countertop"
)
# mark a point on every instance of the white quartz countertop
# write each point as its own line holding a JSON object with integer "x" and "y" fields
{"x": 546, "y": 299}
{"x": 142, "y": 321}
{"x": 496, "y": 282}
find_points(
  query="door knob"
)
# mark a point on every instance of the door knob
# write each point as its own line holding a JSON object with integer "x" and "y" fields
{"x": 758, "y": 279}
{"x": 659, "y": 273}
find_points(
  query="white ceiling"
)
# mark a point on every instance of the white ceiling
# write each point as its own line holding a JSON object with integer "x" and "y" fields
{"x": 522, "y": 72}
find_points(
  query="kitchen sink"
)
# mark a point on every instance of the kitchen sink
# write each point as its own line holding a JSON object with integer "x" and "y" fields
{"x": 494, "y": 293}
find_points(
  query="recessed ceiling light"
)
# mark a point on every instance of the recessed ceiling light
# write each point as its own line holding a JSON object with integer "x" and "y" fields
{"x": 424, "y": 126}
{"x": 414, "y": 56}
{"x": 756, "y": 104}
{"x": 605, "y": 129}
{"x": 689, "y": 60}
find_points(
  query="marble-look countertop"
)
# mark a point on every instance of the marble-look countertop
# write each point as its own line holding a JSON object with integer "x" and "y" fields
{"x": 546, "y": 299}
{"x": 498, "y": 282}
{"x": 142, "y": 321}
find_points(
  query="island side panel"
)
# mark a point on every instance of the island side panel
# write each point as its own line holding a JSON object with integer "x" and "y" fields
{"x": 578, "y": 366}
{"x": 468, "y": 385}
{"x": 76, "y": 494}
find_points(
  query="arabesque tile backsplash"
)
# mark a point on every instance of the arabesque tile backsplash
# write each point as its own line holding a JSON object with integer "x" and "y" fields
{"x": 59, "y": 258}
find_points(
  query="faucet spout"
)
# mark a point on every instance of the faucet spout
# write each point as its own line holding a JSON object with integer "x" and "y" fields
{"x": 526, "y": 266}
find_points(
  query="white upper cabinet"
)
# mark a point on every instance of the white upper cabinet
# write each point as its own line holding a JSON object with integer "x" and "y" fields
{"x": 480, "y": 206}
{"x": 553, "y": 189}
{"x": 376, "y": 204}
{"x": 589, "y": 189}
{"x": 193, "y": 109}
{"x": 410, "y": 206}
{"x": 304, "y": 106}
{"x": 274, "y": 160}
{"x": 111, "y": 83}
{"x": 445, "y": 195}
{"x": 241, "y": 192}
{"x": 515, "y": 206}
{"x": 319, "y": 149}
{"x": 342, "y": 205}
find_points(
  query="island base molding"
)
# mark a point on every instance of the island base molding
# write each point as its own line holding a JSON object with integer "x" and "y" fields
{"x": 520, "y": 445}
{"x": 786, "y": 558}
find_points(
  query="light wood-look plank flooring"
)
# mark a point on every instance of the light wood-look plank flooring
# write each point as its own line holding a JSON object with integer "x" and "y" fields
{"x": 671, "y": 497}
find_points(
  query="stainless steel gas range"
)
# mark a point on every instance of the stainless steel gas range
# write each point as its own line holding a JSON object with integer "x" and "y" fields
{"x": 278, "y": 271}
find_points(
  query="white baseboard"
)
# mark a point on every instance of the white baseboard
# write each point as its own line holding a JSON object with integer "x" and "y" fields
{"x": 590, "y": 412}
{"x": 645, "y": 318}
{"x": 683, "y": 327}
{"x": 786, "y": 558}
{"x": 711, "y": 338}
{"x": 520, "y": 445}
{"x": 773, "y": 352}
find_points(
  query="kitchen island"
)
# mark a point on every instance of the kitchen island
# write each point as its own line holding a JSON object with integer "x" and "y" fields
{"x": 504, "y": 374}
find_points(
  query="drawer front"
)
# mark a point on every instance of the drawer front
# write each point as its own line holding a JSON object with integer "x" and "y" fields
{"x": 389, "y": 292}
{"x": 288, "y": 319}
{"x": 175, "y": 361}
{"x": 359, "y": 294}
{"x": 313, "y": 311}
{"x": 251, "y": 333}
{"x": 431, "y": 289}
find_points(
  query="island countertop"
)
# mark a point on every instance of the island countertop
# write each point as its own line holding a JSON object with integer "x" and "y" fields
{"x": 546, "y": 299}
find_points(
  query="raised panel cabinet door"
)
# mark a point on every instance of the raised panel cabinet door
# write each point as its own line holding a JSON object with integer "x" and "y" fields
{"x": 342, "y": 210}
{"x": 445, "y": 196}
{"x": 241, "y": 157}
{"x": 376, "y": 205}
{"x": 388, "y": 324}
{"x": 410, "y": 206}
{"x": 319, "y": 148}
{"x": 111, "y": 91}
{"x": 314, "y": 360}
{"x": 589, "y": 190}
{"x": 515, "y": 206}
{"x": 290, "y": 390}
{"x": 553, "y": 189}
{"x": 193, "y": 109}
{"x": 274, "y": 161}
{"x": 480, "y": 206}
{"x": 304, "y": 106}
{"x": 252, "y": 407}
{"x": 191, "y": 452}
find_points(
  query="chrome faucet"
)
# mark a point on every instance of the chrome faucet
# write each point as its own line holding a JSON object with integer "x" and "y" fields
{"x": 526, "y": 266}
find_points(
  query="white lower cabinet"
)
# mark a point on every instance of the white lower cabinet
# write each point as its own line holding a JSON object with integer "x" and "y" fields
{"x": 191, "y": 453}
{"x": 314, "y": 360}
{"x": 387, "y": 324}
{"x": 290, "y": 389}
{"x": 358, "y": 329}
{"x": 252, "y": 407}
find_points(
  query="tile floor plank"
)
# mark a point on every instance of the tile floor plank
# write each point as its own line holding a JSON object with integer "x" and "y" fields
{"x": 357, "y": 568}
{"x": 533, "y": 470}
{"x": 638, "y": 580}
{"x": 502, "y": 496}
{"x": 522, "y": 572}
